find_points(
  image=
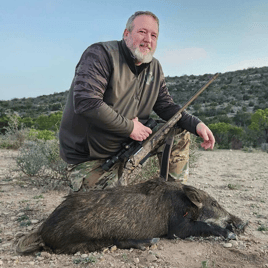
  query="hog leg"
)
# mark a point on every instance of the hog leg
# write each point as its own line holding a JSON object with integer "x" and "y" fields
{"x": 82, "y": 247}
{"x": 136, "y": 243}
{"x": 186, "y": 228}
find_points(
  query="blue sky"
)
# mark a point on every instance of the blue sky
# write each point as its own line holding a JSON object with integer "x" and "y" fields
{"x": 41, "y": 41}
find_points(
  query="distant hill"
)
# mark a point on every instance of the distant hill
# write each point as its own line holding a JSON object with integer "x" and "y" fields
{"x": 232, "y": 97}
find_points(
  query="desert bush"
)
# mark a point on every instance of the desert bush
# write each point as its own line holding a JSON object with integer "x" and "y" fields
{"x": 15, "y": 134}
{"x": 31, "y": 159}
{"x": 41, "y": 159}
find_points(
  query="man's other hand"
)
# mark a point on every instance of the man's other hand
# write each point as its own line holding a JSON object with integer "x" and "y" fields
{"x": 139, "y": 132}
{"x": 205, "y": 133}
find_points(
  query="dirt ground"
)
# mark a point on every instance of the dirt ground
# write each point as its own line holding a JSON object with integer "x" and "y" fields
{"x": 237, "y": 179}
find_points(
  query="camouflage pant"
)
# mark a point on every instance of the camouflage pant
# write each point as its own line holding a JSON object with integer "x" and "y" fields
{"x": 89, "y": 175}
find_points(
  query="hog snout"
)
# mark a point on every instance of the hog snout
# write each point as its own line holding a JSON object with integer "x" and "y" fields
{"x": 240, "y": 226}
{"x": 231, "y": 235}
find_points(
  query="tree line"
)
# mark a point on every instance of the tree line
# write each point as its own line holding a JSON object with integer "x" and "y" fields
{"x": 234, "y": 107}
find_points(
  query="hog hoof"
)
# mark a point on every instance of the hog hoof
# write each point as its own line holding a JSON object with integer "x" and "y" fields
{"x": 143, "y": 244}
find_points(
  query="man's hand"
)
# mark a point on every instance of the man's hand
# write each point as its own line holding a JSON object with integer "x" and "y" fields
{"x": 205, "y": 133}
{"x": 139, "y": 132}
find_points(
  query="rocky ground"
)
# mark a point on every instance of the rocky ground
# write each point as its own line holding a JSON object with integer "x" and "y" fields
{"x": 237, "y": 179}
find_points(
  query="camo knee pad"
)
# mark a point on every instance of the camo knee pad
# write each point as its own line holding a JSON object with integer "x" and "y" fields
{"x": 90, "y": 175}
{"x": 179, "y": 157}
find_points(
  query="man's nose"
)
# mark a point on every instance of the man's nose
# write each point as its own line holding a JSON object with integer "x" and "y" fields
{"x": 148, "y": 38}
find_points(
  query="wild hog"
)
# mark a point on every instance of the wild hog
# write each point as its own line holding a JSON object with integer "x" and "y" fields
{"x": 130, "y": 216}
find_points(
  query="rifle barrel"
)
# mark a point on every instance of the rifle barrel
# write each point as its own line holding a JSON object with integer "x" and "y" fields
{"x": 199, "y": 92}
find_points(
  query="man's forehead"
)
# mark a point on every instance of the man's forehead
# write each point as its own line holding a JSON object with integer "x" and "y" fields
{"x": 145, "y": 21}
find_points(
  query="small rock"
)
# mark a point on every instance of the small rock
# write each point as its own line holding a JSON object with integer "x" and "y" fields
{"x": 113, "y": 248}
{"x": 31, "y": 263}
{"x": 84, "y": 255}
{"x": 136, "y": 260}
{"x": 19, "y": 234}
{"x": 234, "y": 243}
{"x": 9, "y": 235}
{"x": 106, "y": 250}
{"x": 1, "y": 263}
{"x": 34, "y": 221}
{"x": 151, "y": 258}
{"x": 153, "y": 247}
{"x": 45, "y": 254}
{"x": 6, "y": 245}
{"x": 227, "y": 245}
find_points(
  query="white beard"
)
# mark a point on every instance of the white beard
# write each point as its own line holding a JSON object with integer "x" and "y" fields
{"x": 142, "y": 58}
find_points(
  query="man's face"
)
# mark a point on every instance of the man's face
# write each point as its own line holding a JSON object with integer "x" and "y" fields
{"x": 142, "y": 40}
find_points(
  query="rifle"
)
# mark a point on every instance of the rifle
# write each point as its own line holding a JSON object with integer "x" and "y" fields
{"x": 128, "y": 149}
{"x": 136, "y": 153}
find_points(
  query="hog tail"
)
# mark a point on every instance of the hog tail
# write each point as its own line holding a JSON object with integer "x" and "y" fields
{"x": 29, "y": 243}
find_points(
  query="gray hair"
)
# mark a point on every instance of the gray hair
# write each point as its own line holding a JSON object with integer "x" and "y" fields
{"x": 130, "y": 26}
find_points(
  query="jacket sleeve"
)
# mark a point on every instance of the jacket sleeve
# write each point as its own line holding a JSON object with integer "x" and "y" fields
{"x": 166, "y": 108}
{"x": 90, "y": 82}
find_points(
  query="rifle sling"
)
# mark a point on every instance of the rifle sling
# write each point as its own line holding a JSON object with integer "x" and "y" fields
{"x": 164, "y": 168}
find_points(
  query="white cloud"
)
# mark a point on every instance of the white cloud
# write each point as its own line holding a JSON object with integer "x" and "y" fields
{"x": 182, "y": 56}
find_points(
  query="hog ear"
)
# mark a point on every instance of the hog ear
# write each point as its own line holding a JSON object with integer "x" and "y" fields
{"x": 194, "y": 195}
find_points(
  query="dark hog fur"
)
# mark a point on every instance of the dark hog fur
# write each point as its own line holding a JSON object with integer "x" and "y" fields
{"x": 130, "y": 216}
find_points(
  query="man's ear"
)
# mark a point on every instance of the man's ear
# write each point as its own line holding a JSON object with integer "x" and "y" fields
{"x": 126, "y": 33}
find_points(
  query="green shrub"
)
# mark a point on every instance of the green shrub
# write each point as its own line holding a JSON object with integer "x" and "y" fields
{"x": 48, "y": 122}
{"x": 226, "y": 135}
{"x": 259, "y": 123}
{"x": 41, "y": 134}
